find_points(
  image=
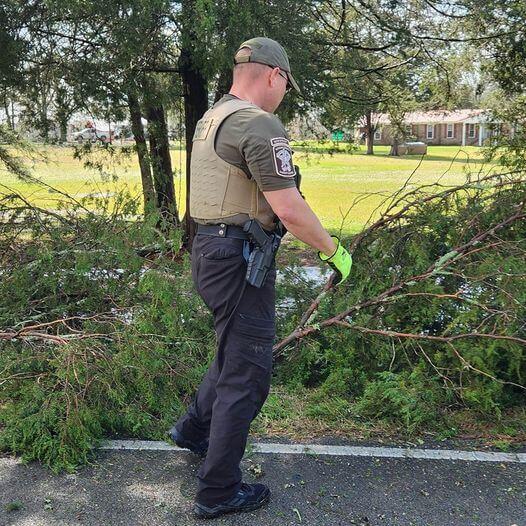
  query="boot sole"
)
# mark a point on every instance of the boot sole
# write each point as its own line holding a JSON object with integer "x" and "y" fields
{"x": 202, "y": 514}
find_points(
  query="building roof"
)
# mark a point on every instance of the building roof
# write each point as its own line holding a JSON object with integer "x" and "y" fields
{"x": 437, "y": 117}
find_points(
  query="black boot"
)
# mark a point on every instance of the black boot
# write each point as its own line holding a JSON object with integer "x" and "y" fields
{"x": 199, "y": 448}
{"x": 249, "y": 497}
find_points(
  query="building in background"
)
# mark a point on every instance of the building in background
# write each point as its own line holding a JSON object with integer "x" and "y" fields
{"x": 468, "y": 127}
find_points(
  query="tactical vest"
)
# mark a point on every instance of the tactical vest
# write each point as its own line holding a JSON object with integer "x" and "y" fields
{"x": 219, "y": 191}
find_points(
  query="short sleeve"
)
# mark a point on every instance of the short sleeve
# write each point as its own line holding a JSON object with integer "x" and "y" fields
{"x": 267, "y": 153}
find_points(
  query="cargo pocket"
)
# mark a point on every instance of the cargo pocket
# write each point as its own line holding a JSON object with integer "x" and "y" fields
{"x": 221, "y": 268}
{"x": 255, "y": 338}
{"x": 256, "y": 330}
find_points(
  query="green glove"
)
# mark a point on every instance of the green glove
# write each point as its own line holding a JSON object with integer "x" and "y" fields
{"x": 340, "y": 261}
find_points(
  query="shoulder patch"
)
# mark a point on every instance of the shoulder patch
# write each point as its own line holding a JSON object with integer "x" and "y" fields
{"x": 282, "y": 155}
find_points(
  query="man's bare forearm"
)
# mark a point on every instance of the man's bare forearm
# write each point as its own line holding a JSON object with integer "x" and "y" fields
{"x": 302, "y": 223}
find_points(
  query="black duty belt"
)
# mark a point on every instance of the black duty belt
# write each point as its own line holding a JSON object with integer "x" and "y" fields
{"x": 222, "y": 230}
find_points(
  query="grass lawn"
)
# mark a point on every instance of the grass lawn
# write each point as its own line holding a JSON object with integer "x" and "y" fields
{"x": 331, "y": 182}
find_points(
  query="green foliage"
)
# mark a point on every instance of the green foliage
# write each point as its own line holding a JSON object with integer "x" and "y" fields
{"x": 408, "y": 398}
{"x": 332, "y": 410}
{"x": 135, "y": 339}
{"x": 103, "y": 337}
{"x": 40, "y": 423}
{"x": 450, "y": 83}
{"x": 471, "y": 295}
{"x": 14, "y": 506}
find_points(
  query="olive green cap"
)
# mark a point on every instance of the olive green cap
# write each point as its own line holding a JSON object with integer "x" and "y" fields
{"x": 269, "y": 52}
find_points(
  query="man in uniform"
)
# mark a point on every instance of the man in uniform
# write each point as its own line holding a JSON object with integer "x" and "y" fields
{"x": 241, "y": 169}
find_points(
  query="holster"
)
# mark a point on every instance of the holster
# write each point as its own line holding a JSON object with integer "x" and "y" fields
{"x": 263, "y": 252}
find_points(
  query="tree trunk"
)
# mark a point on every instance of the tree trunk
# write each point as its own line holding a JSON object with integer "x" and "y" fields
{"x": 163, "y": 179}
{"x": 9, "y": 119}
{"x": 63, "y": 124}
{"x": 44, "y": 122}
{"x": 148, "y": 191}
{"x": 12, "y": 115}
{"x": 195, "y": 91}
{"x": 369, "y": 132}
{"x": 394, "y": 147}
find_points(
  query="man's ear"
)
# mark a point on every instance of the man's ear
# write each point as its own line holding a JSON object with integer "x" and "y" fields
{"x": 274, "y": 73}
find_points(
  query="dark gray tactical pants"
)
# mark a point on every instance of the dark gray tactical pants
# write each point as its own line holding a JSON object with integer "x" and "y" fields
{"x": 238, "y": 380}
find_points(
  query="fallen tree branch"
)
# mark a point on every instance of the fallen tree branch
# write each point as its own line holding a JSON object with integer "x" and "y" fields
{"x": 438, "y": 266}
{"x": 32, "y": 332}
{"x": 442, "y": 339}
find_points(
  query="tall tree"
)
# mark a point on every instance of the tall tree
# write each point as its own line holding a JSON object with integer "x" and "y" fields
{"x": 503, "y": 25}
{"x": 106, "y": 57}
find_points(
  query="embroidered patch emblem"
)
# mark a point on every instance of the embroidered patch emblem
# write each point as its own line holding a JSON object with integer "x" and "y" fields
{"x": 282, "y": 156}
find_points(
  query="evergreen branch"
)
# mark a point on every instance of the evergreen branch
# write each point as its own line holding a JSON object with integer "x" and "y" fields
{"x": 452, "y": 256}
{"x": 35, "y": 331}
{"x": 52, "y": 338}
{"x": 442, "y": 339}
{"x": 308, "y": 315}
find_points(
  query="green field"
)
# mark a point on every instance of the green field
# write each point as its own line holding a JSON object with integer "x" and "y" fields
{"x": 332, "y": 182}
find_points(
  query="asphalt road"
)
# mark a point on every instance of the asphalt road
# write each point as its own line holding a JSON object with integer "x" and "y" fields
{"x": 154, "y": 488}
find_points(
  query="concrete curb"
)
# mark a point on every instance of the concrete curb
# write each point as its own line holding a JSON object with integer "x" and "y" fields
{"x": 345, "y": 451}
